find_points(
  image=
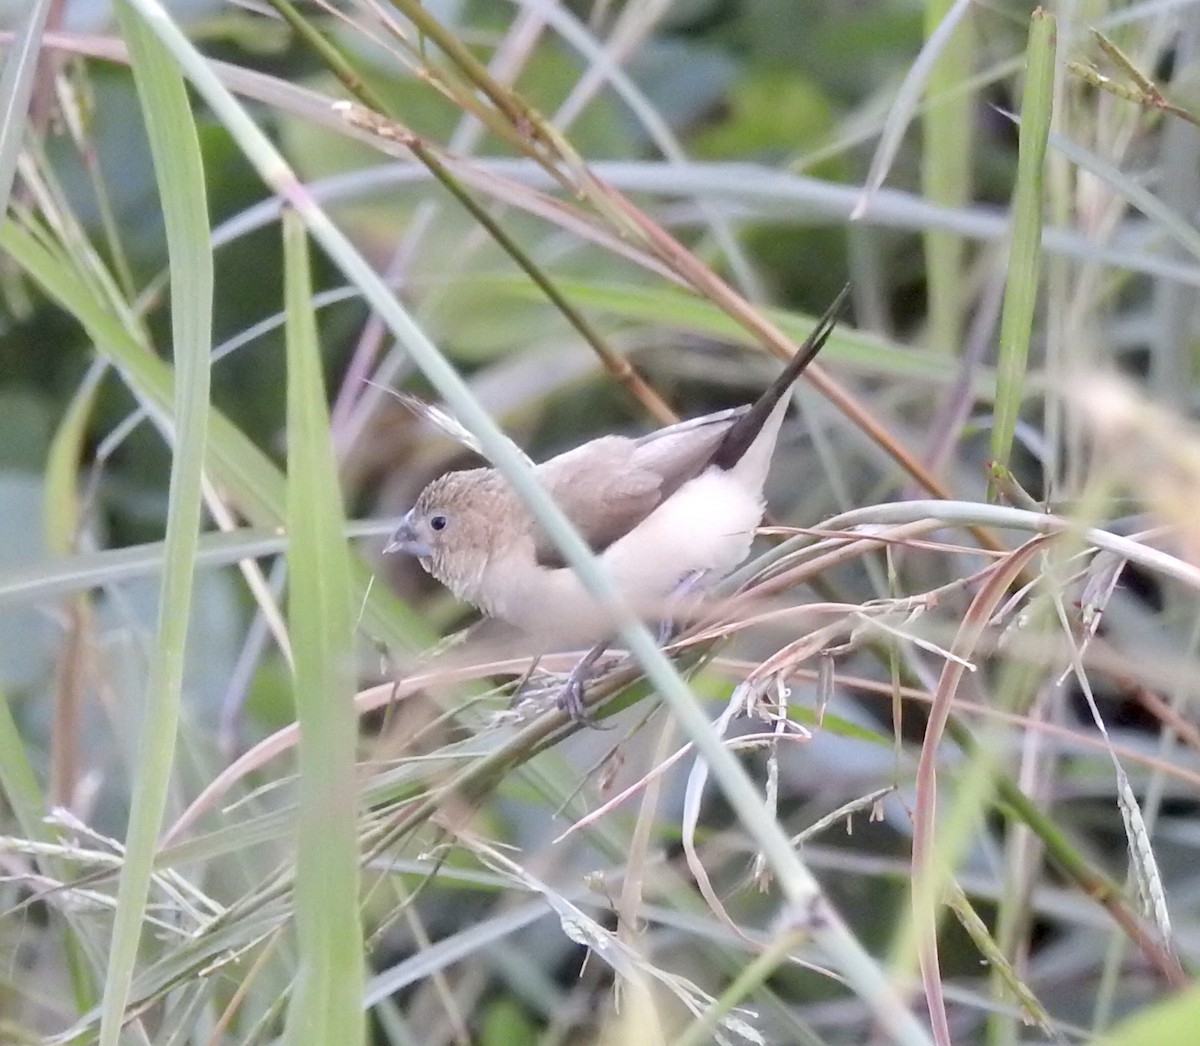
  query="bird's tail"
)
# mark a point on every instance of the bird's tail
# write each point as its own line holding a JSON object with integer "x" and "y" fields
{"x": 745, "y": 431}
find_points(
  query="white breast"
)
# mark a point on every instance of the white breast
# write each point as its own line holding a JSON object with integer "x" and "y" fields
{"x": 707, "y": 526}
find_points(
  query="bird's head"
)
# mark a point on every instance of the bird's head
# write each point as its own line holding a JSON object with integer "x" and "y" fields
{"x": 458, "y": 524}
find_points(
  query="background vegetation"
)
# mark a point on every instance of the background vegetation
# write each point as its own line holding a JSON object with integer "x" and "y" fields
{"x": 931, "y": 777}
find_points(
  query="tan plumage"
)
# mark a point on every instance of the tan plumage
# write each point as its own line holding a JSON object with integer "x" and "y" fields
{"x": 680, "y": 502}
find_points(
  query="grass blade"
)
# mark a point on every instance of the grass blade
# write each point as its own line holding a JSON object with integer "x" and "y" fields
{"x": 1024, "y": 260}
{"x": 946, "y": 170}
{"x": 326, "y": 1003}
{"x": 16, "y": 88}
{"x": 180, "y": 175}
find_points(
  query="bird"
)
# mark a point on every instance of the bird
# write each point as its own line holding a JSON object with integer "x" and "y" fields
{"x": 664, "y": 512}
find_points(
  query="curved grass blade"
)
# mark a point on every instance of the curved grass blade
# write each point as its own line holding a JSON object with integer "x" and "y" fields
{"x": 179, "y": 171}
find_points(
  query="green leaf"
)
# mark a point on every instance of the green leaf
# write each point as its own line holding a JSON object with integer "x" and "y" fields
{"x": 179, "y": 172}
{"x": 327, "y": 999}
{"x": 1172, "y": 1022}
{"x": 1025, "y": 254}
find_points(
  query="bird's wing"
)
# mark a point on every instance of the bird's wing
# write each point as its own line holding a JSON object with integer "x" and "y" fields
{"x": 608, "y": 486}
{"x": 600, "y": 490}
{"x": 682, "y": 451}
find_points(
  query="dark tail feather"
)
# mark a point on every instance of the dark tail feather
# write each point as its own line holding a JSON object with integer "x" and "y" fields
{"x": 745, "y": 430}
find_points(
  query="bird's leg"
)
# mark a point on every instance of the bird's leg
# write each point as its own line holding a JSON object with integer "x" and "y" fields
{"x": 523, "y": 682}
{"x": 570, "y": 698}
{"x": 668, "y": 627}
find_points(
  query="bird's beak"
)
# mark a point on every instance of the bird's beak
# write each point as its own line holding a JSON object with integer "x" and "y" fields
{"x": 404, "y": 539}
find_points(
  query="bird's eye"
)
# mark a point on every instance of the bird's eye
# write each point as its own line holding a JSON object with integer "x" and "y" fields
{"x": 438, "y": 522}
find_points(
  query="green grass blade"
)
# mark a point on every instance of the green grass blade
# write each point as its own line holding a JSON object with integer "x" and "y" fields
{"x": 326, "y": 1003}
{"x": 16, "y": 88}
{"x": 17, "y": 778}
{"x": 663, "y": 303}
{"x": 61, "y": 499}
{"x": 946, "y": 172}
{"x": 179, "y": 172}
{"x": 1024, "y": 260}
{"x": 1170, "y": 1022}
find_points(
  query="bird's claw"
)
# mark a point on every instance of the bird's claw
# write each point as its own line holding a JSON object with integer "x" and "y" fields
{"x": 570, "y": 697}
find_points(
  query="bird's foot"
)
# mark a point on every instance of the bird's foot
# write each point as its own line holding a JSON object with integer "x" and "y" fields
{"x": 570, "y": 700}
{"x": 571, "y": 696}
